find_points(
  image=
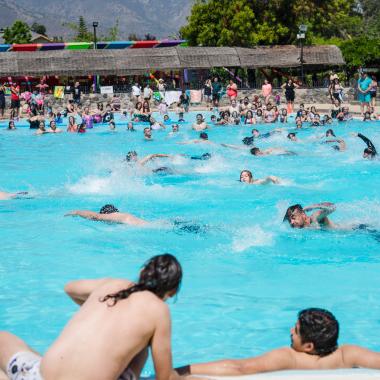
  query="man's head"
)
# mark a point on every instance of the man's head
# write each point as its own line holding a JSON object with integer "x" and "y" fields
{"x": 292, "y": 136}
{"x": 369, "y": 153}
{"x": 131, "y": 156}
{"x": 255, "y": 133}
{"x": 203, "y": 136}
{"x": 147, "y": 133}
{"x": 296, "y": 216}
{"x": 199, "y": 118}
{"x": 316, "y": 332}
{"x": 108, "y": 209}
{"x": 256, "y": 151}
{"x": 166, "y": 117}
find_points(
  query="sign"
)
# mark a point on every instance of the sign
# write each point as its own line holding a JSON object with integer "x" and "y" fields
{"x": 106, "y": 89}
{"x": 59, "y": 92}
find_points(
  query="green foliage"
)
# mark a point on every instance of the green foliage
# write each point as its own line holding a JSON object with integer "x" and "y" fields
{"x": 258, "y": 22}
{"x": 38, "y": 28}
{"x": 113, "y": 33}
{"x": 371, "y": 15}
{"x": 18, "y": 33}
{"x": 83, "y": 33}
{"x": 361, "y": 51}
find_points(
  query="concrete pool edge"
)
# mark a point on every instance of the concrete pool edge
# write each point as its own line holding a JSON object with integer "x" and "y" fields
{"x": 353, "y": 374}
{"x": 339, "y": 374}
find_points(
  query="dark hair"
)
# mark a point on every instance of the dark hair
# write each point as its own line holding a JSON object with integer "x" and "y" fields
{"x": 331, "y": 132}
{"x": 160, "y": 274}
{"x": 320, "y": 327}
{"x": 370, "y": 152}
{"x": 129, "y": 155}
{"x": 291, "y": 134}
{"x": 108, "y": 209}
{"x": 254, "y": 151}
{"x": 290, "y": 211}
{"x": 203, "y": 136}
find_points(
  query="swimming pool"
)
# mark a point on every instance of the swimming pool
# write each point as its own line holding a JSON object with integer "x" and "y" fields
{"x": 246, "y": 274}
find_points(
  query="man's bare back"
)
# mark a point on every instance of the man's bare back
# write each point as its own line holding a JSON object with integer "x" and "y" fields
{"x": 108, "y": 338}
{"x": 100, "y": 341}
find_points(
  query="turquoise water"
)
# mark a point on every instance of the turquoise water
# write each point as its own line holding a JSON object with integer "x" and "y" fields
{"x": 245, "y": 275}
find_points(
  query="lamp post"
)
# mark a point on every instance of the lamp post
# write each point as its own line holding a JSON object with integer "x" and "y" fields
{"x": 302, "y": 29}
{"x": 95, "y": 25}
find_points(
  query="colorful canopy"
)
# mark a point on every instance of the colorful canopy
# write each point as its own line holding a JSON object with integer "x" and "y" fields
{"x": 90, "y": 45}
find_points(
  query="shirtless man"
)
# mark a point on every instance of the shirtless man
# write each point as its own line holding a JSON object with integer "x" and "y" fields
{"x": 200, "y": 124}
{"x": 314, "y": 346}
{"x": 297, "y": 217}
{"x": 247, "y": 177}
{"x": 108, "y": 338}
{"x": 132, "y": 157}
{"x": 271, "y": 152}
{"x": 4, "y": 196}
{"x": 203, "y": 139}
{"x": 53, "y": 128}
{"x": 110, "y": 214}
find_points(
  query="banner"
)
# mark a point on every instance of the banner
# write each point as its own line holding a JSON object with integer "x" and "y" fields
{"x": 106, "y": 89}
{"x": 59, "y": 92}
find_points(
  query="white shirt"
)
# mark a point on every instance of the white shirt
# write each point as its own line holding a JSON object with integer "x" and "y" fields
{"x": 136, "y": 91}
{"x": 147, "y": 92}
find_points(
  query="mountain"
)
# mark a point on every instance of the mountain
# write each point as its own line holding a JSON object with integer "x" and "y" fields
{"x": 161, "y": 18}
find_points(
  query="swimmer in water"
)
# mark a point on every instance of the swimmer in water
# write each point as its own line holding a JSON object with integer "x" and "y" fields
{"x": 109, "y": 213}
{"x": 200, "y": 124}
{"x": 271, "y": 152}
{"x": 292, "y": 136}
{"x": 148, "y": 134}
{"x": 203, "y": 139}
{"x": 341, "y": 147}
{"x": 247, "y": 177}
{"x": 131, "y": 157}
{"x": 4, "y": 196}
{"x": 130, "y": 127}
{"x": 370, "y": 152}
{"x": 297, "y": 217}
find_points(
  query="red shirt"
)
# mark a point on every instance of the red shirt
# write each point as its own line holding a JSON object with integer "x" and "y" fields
{"x": 15, "y": 92}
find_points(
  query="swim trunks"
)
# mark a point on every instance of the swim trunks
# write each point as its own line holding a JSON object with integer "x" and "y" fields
{"x": 24, "y": 365}
{"x": 128, "y": 374}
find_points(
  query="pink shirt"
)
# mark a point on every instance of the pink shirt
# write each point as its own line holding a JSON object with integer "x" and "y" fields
{"x": 267, "y": 89}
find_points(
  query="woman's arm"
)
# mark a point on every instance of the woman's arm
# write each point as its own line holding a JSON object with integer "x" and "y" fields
{"x": 80, "y": 290}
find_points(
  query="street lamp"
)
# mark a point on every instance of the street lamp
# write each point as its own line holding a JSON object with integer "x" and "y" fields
{"x": 95, "y": 25}
{"x": 302, "y": 29}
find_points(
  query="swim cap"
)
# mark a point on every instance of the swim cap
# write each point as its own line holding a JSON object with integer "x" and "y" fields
{"x": 108, "y": 209}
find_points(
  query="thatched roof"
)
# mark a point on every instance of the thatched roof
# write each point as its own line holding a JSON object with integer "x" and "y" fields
{"x": 135, "y": 61}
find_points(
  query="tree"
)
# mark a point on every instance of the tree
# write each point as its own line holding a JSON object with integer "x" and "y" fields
{"x": 133, "y": 37}
{"x": 361, "y": 51}
{"x": 149, "y": 37}
{"x": 113, "y": 33}
{"x": 83, "y": 34}
{"x": 18, "y": 33}
{"x": 262, "y": 22}
{"x": 371, "y": 15}
{"x": 38, "y": 28}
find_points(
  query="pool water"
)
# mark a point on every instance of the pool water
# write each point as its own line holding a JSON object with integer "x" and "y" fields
{"x": 246, "y": 274}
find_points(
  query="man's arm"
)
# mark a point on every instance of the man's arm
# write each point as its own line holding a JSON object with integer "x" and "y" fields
{"x": 85, "y": 214}
{"x": 355, "y": 356}
{"x": 275, "y": 360}
{"x": 150, "y": 157}
{"x": 324, "y": 209}
{"x": 80, "y": 290}
{"x": 161, "y": 347}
